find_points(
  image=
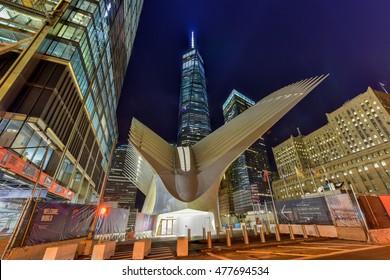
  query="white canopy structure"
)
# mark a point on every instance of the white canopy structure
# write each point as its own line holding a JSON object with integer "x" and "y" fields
{"x": 178, "y": 222}
{"x": 189, "y": 177}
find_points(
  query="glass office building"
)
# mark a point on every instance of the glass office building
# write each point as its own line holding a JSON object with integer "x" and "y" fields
{"x": 62, "y": 67}
{"x": 120, "y": 192}
{"x": 194, "y": 118}
{"x": 244, "y": 181}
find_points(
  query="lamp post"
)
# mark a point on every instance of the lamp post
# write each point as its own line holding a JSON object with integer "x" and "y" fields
{"x": 26, "y": 206}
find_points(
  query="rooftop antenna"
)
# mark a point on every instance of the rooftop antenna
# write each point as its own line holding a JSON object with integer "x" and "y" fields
{"x": 192, "y": 40}
{"x": 383, "y": 86}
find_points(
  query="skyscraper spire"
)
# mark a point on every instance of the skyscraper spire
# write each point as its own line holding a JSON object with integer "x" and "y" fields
{"x": 192, "y": 40}
{"x": 194, "y": 118}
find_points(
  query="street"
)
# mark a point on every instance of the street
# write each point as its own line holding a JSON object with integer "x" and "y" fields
{"x": 312, "y": 248}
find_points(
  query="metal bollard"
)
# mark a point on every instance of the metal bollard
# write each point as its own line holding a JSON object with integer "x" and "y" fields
{"x": 277, "y": 233}
{"x": 290, "y": 229}
{"x": 304, "y": 231}
{"x": 267, "y": 229}
{"x": 262, "y": 237}
{"x": 189, "y": 234}
{"x": 209, "y": 241}
{"x": 204, "y": 234}
{"x": 245, "y": 232}
{"x": 228, "y": 239}
{"x": 317, "y": 231}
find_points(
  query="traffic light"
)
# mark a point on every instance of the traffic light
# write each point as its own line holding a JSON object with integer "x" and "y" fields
{"x": 103, "y": 210}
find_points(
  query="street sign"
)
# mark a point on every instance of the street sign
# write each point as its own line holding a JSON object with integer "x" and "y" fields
{"x": 304, "y": 211}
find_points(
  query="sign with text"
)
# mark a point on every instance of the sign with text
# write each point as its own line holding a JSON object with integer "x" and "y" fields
{"x": 343, "y": 211}
{"x": 61, "y": 221}
{"x": 304, "y": 211}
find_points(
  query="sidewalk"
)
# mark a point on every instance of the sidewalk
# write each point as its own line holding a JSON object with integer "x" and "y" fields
{"x": 198, "y": 249}
{"x": 205, "y": 253}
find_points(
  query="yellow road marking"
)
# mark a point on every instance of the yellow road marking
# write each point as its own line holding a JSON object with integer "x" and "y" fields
{"x": 273, "y": 253}
{"x": 218, "y": 257}
{"x": 309, "y": 247}
{"x": 336, "y": 244}
{"x": 340, "y": 252}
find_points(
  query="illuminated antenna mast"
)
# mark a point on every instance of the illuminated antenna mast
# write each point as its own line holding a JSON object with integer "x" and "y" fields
{"x": 192, "y": 40}
{"x": 383, "y": 86}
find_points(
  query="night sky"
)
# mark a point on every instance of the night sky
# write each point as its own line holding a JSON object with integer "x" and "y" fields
{"x": 256, "y": 47}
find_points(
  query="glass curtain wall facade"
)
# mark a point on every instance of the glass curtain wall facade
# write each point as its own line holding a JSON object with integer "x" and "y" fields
{"x": 72, "y": 58}
{"x": 244, "y": 175}
{"x": 194, "y": 118}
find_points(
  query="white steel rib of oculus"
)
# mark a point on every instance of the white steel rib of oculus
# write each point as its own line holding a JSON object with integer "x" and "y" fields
{"x": 211, "y": 156}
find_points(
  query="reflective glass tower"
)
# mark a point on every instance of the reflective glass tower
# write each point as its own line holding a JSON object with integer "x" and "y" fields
{"x": 119, "y": 191}
{"x": 194, "y": 118}
{"x": 244, "y": 175}
{"x": 62, "y": 67}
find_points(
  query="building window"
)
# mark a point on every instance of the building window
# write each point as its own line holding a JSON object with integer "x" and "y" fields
{"x": 23, "y": 137}
{"x": 9, "y": 133}
{"x": 35, "y": 141}
{"x": 3, "y": 124}
{"x": 65, "y": 171}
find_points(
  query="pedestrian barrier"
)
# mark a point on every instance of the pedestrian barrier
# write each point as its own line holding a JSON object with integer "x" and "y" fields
{"x": 311, "y": 230}
{"x": 142, "y": 248}
{"x": 327, "y": 231}
{"x": 62, "y": 252}
{"x": 182, "y": 246}
{"x": 103, "y": 250}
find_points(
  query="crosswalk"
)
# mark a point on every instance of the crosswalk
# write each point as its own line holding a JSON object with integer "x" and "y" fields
{"x": 159, "y": 253}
